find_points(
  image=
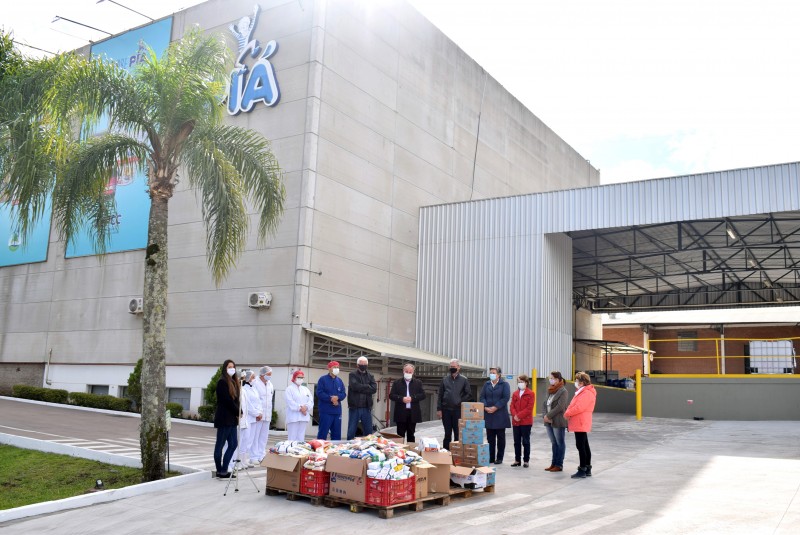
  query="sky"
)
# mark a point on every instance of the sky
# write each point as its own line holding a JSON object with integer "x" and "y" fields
{"x": 641, "y": 89}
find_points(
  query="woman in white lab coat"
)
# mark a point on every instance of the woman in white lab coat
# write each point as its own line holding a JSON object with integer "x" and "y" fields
{"x": 299, "y": 405}
{"x": 251, "y": 414}
{"x": 263, "y": 385}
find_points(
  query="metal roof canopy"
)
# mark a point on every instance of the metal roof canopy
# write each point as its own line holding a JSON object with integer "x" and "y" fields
{"x": 743, "y": 261}
{"x": 346, "y": 349}
{"x": 610, "y": 346}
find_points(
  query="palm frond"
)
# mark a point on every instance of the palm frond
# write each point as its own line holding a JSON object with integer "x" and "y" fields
{"x": 250, "y": 154}
{"x": 79, "y": 198}
{"x": 222, "y": 202}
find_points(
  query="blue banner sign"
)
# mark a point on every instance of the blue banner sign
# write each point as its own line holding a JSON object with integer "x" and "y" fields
{"x": 15, "y": 250}
{"x": 128, "y": 189}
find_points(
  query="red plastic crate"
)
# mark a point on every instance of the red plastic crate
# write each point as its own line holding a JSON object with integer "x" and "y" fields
{"x": 391, "y": 491}
{"x": 314, "y": 482}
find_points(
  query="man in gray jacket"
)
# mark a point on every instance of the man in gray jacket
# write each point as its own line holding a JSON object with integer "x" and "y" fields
{"x": 453, "y": 391}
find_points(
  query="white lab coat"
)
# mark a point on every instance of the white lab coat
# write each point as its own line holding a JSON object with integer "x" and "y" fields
{"x": 295, "y": 397}
{"x": 265, "y": 392}
{"x": 258, "y": 446}
{"x": 251, "y": 406}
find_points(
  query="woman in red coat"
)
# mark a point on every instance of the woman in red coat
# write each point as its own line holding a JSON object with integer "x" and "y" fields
{"x": 522, "y": 402}
{"x": 579, "y": 414}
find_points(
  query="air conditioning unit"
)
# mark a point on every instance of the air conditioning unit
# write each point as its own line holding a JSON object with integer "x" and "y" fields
{"x": 259, "y": 300}
{"x": 135, "y": 305}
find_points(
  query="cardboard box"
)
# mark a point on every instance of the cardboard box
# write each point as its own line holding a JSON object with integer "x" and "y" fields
{"x": 468, "y": 477}
{"x": 476, "y": 454}
{"x": 283, "y": 471}
{"x": 455, "y": 448}
{"x": 458, "y": 460}
{"x": 393, "y": 437}
{"x": 471, "y": 436}
{"x": 471, "y": 411}
{"x": 472, "y": 424}
{"x": 421, "y": 474}
{"x": 348, "y": 477}
{"x": 490, "y": 478}
{"x": 439, "y": 476}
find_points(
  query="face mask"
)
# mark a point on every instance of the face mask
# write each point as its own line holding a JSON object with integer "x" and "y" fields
{"x": 521, "y": 386}
{"x": 577, "y": 384}
{"x": 453, "y": 370}
{"x": 552, "y": 381}
{"x": 231, "y": 371}
{"x": 362, "y": 367}
{"x": 298, "y": 381}
{"x": 335, "y": 371}
{"x": 493, "y": 376}
{"x": 408, "y": 376}
{"x": 268, "y": 377}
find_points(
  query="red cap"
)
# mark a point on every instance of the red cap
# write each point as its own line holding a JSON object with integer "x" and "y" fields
{"x": 333, "y": 364}
{"x": 297, "y": 374}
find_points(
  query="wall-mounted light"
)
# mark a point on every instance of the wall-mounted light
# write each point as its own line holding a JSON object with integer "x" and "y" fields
{"x": 731, "y": 233}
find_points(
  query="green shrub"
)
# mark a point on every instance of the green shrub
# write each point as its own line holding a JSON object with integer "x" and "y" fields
{"x": 206, "y": 412}
{"x": 38, "y": 393}
{"x": 135, "y": 385}
{"x": 175, "y": 409}
{"x": 96, "y": 401}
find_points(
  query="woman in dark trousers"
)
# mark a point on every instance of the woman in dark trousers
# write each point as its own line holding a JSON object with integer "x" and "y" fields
{"x": 554, "y": 421}
{"x": 494, "y": 396}
{"x": 226, "y": 419}
{"x": 523, "y": 400}
{"x": 579, "y": 416}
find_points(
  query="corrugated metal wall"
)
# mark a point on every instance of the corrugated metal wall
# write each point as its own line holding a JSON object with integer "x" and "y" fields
{"x": 495, "y": 275}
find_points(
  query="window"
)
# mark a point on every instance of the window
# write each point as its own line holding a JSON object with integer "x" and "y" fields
{"x": 687, "y": 341}
{"x": 98, "y": 389}
{"x": 179, "y": 395}
{"x": 123, "y": 391}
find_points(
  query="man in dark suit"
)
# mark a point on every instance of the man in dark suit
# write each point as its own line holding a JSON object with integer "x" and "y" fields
{"x": 406, "y": 394}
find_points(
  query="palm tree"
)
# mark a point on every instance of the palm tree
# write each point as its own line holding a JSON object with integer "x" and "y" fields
{"x": 163, "y": 116}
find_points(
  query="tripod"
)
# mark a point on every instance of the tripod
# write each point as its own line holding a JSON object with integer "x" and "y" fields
{"x": 238, "y": 466}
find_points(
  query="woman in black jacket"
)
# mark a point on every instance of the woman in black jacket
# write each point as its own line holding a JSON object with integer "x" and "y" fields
{"x": 226, "y": 419}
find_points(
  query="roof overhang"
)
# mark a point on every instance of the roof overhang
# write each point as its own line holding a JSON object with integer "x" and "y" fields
{"x": 330, "y": 345}
{"x": 612, "y": 347}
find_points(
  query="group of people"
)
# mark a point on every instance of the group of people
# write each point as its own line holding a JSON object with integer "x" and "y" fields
{"x": 246, "y": 405}
{"x": 243, "y": 416}
{"x": 502, "y": 410}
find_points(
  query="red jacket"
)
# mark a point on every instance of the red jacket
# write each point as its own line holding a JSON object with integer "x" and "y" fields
{"x": 522, "y": 403}
{"x": 579, "y": 412}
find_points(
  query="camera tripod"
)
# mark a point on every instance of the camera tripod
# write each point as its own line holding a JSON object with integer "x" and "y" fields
{"x": 238, "y": 466}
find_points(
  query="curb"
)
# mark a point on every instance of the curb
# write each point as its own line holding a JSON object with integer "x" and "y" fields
{"x": 190, "y": 475}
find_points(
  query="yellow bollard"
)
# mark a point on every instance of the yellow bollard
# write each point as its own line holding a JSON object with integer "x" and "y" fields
{"x": 534, "y": 385}
{"x": 638, "y": 394}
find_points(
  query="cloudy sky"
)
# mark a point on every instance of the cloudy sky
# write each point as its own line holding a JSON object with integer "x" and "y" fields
{"x": 642, "y": 89}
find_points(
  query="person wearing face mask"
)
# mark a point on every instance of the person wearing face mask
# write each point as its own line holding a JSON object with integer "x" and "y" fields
{"x": 251, "y": 415}
{"x": 362, "y": 387}
{"x": 495, "y": 395}
{"x": 406, "y": 394}
{"x": 523, "y": 400}
{"x": 330, "y": 393}
{"x": 554, "y": 422}
{"x": 579, "y": 416}
{"x": 226, "y": 418}
{"x": 263, "y": 386}
{"x": 453, "y": 391}
{"x": 299, "y": 405}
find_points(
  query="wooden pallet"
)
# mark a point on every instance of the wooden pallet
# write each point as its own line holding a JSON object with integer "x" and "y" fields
{"x": 387, "y": 511}
{"x": 467, "y": 493}
{"x": 294, "y": 496}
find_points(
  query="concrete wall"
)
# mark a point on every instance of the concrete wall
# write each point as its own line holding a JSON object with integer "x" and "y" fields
{"x": 722, "y": 399}
{"x": 615, "y": 400}
{"x": 19, "y": 374}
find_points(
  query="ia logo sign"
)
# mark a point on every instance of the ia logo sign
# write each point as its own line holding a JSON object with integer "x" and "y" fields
{"x": 248, "y": 86}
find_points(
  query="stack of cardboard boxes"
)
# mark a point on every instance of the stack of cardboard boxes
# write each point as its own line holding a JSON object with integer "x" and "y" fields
{"x": 471, "y": 453}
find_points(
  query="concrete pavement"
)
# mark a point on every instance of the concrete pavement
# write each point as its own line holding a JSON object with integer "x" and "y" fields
{"x": 656, "y": 476}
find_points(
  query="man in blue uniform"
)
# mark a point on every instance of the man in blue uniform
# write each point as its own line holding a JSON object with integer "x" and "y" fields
{"x": 330, "y": 393}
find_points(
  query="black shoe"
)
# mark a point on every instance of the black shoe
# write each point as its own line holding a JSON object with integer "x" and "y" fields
{"x": 516, "y": 463}
{"x": 525, "y": 465}
{"x": 498, "y": 462}
{"x": 589, "y": 471}
{"x": 580, "y": 474}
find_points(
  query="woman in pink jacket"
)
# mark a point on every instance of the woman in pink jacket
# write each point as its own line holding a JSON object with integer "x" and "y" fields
{"x": 579, "y": 414}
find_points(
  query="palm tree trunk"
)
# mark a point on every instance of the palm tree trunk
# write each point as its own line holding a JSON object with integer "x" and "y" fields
{"x": 152, "y": 434}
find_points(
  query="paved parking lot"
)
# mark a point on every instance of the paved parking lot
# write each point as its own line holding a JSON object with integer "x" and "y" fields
{"x": 657, "y": 476}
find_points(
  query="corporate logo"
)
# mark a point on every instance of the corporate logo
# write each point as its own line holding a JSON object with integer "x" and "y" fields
{"x": 251, "y": 85}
